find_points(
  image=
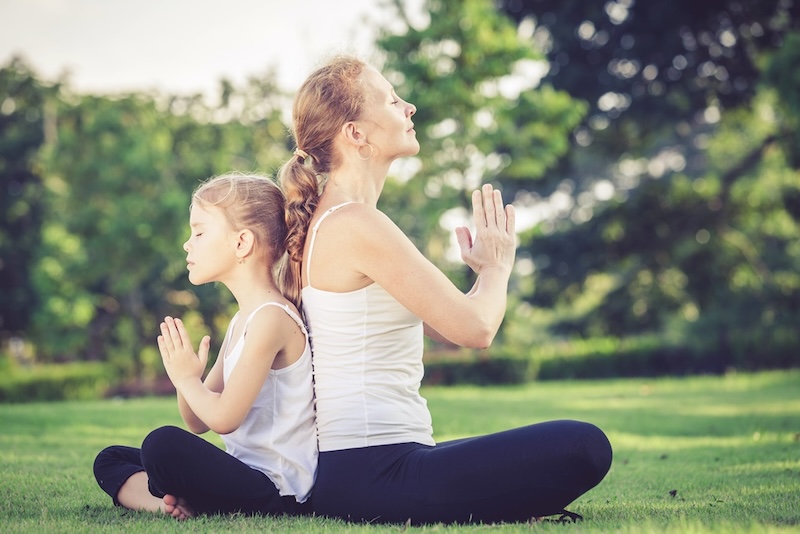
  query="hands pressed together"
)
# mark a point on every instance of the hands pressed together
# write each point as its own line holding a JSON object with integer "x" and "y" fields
{"x": 180, "y": 360}
{"x": 494, "y": 243}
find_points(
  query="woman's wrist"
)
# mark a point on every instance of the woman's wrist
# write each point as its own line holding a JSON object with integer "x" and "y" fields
{"x": 498, "y": 267}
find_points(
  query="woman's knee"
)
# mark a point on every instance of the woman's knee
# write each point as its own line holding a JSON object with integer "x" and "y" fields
{"x": 595, "y": 449}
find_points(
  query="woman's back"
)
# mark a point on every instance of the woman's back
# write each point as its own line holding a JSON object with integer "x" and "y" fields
{"x": 367, "y": 366}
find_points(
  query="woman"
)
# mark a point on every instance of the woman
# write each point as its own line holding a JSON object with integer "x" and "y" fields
{"x": 369, "y": 294}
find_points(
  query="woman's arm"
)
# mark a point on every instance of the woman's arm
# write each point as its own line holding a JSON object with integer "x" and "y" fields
{"x": 436, "y": 336}
{"x": 223, "y": 411}
{"x": 369, "y": 243}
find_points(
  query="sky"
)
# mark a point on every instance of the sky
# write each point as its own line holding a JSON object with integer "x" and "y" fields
{"x": 182, "y": 46}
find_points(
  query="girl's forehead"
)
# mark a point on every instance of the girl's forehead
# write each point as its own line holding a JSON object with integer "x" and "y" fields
{"x": 206, "y": 215}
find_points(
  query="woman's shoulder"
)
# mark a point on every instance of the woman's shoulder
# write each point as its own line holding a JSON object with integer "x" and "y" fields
{"x": 356, "y": 220}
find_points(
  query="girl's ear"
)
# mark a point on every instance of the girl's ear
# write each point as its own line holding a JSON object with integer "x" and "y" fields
{"x": 245, "y": 244}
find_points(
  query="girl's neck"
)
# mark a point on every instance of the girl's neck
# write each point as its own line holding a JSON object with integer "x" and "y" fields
{"x": 252, "y": 291}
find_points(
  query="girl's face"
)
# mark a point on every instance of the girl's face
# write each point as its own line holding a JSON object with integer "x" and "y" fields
{"x": 211, "y": 248}
{"x": 387, "y": 118}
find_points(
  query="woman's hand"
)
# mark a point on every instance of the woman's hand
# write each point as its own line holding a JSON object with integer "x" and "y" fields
{"x": 494, "y": 244}
{"x": 180, "y": 360}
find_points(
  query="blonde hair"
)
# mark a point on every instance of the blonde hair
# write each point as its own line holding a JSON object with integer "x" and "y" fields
{"x": 330, "y": 97}
{"x": 255, "y": 203}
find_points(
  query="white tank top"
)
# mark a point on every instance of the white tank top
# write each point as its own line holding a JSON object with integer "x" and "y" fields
{"x": 367, "y": 353}
{"x": 278, "y": 436}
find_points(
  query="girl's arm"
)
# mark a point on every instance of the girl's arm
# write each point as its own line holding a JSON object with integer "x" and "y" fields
{"x": 214, "y": 382}
{"x": 371, "y": 244}
{"x": 223, "y": 411}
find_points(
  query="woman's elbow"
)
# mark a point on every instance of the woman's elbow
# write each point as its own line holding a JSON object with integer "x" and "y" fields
{"x": 481, "y": 338}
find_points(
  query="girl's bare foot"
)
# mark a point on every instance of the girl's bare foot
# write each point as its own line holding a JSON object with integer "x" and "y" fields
{"x": 177, "y": 508}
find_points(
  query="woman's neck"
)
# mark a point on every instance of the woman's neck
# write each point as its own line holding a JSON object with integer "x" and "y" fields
{"x": 355, "y": 183}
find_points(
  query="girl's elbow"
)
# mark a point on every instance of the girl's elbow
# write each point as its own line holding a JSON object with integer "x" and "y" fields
{"x": 225, "y": 425}
{"x": 197, "y": 428}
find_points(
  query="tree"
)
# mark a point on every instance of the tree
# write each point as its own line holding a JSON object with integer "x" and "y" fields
{"x": 481, "y": 115}
{"x": 679, "y": 177}
{"x": 23, "y": 100}
{"x": 119, "y": 175}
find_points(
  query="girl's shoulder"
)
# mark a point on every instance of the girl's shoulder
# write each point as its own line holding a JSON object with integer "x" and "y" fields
{"x": 279, "y": 309}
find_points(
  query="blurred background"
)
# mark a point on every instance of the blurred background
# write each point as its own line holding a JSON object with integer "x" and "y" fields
{"x": 651, "y": 149}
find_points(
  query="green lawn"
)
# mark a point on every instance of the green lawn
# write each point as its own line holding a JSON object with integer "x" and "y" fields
{"x": 701, "y": 454}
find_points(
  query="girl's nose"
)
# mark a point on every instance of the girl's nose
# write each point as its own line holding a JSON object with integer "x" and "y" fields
{"x": 186, "y": 246}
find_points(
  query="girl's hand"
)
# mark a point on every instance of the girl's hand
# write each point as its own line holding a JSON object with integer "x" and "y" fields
{"x": 180, "y": 360}
{"x": 494, "y": 244}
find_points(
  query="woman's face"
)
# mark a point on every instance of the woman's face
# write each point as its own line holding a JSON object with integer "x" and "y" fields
{"x": 386, "y": 118}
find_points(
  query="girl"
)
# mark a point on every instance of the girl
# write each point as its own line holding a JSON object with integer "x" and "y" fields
{"x": 368, "y": 295}
{"x": 258, "y": 395}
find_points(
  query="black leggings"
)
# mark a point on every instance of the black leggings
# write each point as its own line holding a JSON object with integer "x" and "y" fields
{"x": 184, "y": 465}
{"x": 510, "y": 476}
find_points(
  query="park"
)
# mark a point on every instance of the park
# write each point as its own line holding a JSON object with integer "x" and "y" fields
{"x": 652, "y": 154}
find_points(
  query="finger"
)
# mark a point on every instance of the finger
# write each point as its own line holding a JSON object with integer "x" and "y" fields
{"x": 202, "y": 352}
{"x": 184, "y": 335}
{"x": 497, "y": 199}
{"x": 488, "y": 204}
{"x": 162, "y": 348}
{"x": 166, "y": 339}
{"x": 511, "y": 219}
{"x": 173, "y": 332}
{"x": 478, "y": 214}
{"x": 464, "y": 238}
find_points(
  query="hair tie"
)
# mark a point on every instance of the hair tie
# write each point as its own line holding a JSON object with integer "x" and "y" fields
{"x": 300, "y": 153}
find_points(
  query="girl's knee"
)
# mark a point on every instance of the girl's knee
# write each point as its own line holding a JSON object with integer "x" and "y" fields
{"x": 161, "y": 442}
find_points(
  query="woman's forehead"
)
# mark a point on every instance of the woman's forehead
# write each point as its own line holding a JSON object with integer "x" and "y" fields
{"x": 376, "y": 81}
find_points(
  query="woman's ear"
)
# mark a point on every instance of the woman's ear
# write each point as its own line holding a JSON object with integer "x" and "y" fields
{"x": 353, "y": 134}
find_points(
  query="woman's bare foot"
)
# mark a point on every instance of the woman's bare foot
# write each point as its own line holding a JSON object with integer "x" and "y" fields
{"x": 177, "y": 508}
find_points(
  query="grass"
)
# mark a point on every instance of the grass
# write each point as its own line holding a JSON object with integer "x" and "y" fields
{"x": 695, "y": 455}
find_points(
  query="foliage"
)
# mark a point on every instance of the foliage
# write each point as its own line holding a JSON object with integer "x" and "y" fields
{"x": 55, "y": 382}
{"x": 23, "y": 103}
{"x": 726, "y": 446}
{"x": 678, "y": 201}
{"x": 118, "y": 172}
{"x": 651, "y": 151}
{"x": 471, "y": 76}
